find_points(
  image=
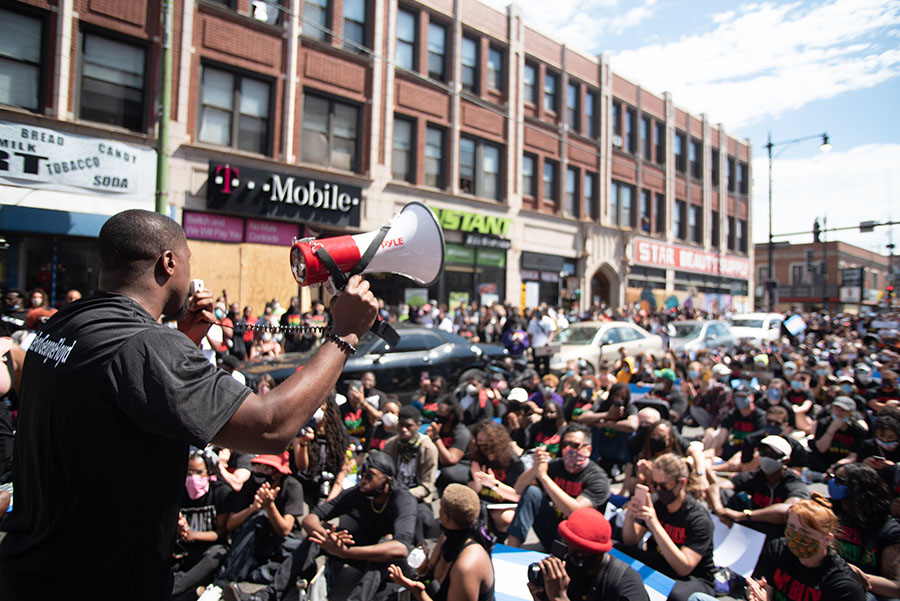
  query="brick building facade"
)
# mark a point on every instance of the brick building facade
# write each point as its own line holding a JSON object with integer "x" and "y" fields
{"x": 555, "y": 179}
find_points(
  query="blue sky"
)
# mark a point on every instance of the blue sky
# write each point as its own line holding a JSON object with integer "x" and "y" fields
{"x": 796, "y": 69}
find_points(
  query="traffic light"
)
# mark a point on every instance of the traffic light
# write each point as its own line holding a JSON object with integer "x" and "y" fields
{"x": 890, "y": 291}
{"x": 809, "y": 260}
{"x": 816, "y": 231}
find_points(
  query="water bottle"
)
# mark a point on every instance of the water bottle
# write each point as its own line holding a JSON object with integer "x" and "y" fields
{"x": 415, "y": 558}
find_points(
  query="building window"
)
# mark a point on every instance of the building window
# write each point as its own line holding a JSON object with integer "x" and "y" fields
{"x": 696, "y": 158}
{"x": 646, "y": 202}
{"x": 616, "y": 117}
{"x": 680, "y": 159}
{"x": 590, "y": 119}
{"x": 621, "y": 204}
{"x": 798, "y": 274}
{"x": 731, "y": 232}
{"x": 573, "y": 112}
{"x": 267, "y": 11}
{"x": 730, "y": 173}
{"x": 550, "y": 169}
{"x": 437, "y": 42}
{"x": 434, "y": 157}
{"x": 329, "y": 136}
{"x": 680, "y": 219}
{"x": 660, "y": 213}
{"x": 469, "y": 61}
{"x": 660, "y": 143}
{"x": 355, "y": 24}
{"x": 590, "y": 195}
{"x": 646, "y": 139}
{"x": 402, "y": 166}
{"x": 20, "y": 60}
{"x": 695, "y": 224}
{"x": 495, "y": 69}
{"x": 315, "y": 19}
{"x": 479, "y": 168}
{"x": 572, "y": 191}
{"x": 528, "y": 181}
{"x": 529, "y": 78}
{"x": 714, "y": 230}
{"x": 406, "y": 39}
{"x": 742, "y": 235}
{"x": 551, "y": 91}
{"x": 112, "y": 82}
{"x": 631, "y": 131}
{"x": 715, "y": 166}
{"x": 743, "y": 177}
{"x": 234, "y": 111}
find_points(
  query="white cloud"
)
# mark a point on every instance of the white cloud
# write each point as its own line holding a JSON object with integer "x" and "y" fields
{"x": 847, "y": 187}
{"x": 763, "y": 59}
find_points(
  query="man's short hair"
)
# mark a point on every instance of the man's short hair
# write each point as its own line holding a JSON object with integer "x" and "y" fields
{"x": 577, "y": 427}
{"x": 410, "y": 412}
{"x": 461, "y": 504}
{"x": 777, "y": 410}
{"x": 133, "y": 240}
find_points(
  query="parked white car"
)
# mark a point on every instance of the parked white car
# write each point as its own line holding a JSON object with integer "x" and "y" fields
{"x": 757, "y": 328}
{"x": 592, "y": 341}
{"x": 697, "y": 335}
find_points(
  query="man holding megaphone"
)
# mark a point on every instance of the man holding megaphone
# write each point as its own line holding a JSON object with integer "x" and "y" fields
{"x": 105, "y": 385}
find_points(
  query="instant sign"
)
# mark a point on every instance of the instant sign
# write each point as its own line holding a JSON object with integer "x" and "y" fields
{"x": 37, "y": 157}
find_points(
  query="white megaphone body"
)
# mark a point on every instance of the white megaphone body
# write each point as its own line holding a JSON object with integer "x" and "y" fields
{"x": 411, "y": 244}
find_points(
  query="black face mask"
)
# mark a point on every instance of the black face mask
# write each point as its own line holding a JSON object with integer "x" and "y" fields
{"x": 666, "y": 496}
{"x": 657, "y": 445}
{"x": 440, "y": 419}
{"x": 376, "y": 491}
{"x": 259, "y": 478}
{"x": 455, "y": 538}
{"x": 548, "y": 423}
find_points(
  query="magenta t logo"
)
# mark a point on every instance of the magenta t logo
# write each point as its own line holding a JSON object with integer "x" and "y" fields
{"x": 227, "y": 171}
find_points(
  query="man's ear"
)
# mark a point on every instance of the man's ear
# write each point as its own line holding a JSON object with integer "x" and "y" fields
{"x": 168, "y": 261}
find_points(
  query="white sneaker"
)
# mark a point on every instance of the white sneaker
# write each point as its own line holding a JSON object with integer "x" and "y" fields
{"x": 212, "y": 593}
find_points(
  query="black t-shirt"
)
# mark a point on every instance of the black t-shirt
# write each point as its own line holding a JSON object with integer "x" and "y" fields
{"x": 105, "y": 388}
{"x": 830, "y": 581}
{"x": 762, "y": 494}
{"x": 843, "y": 443}
{"x": 507, "y": 474}
{"x": 356, "y": 421}
{"x": 869, "y": 448}
{"x": 288, "y": 501}
{"x": 12, "y": 321}
{"x": 549, "y": 438}
{"x": 616, "y": 581}
{"x": 458, "y": 438}
{"x": 864, "y": 551}
{"x": 742, "y": 426}
{"x": 379, "y": 437}
{"x": 397, "y": 517}
{"x": 751, "y": 442}
{"x": 201, "y": 513}
{"x": 689, "y": 527}
{"x": 602, "y": 406}
{"x": 592, "y": 482}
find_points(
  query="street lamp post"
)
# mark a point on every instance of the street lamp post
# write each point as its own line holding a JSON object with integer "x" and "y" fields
{"x": 824, "y": 147}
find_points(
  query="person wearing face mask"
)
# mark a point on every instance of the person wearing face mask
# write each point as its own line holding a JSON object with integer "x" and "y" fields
{"x": 14, "y": 313}
{"x": 799, "y": 397}
{"x": 588, "y": 571}
{"x": 862, "y": 375}
{"x": 264, "y": 521}
{"x": 201, "y": 538}
{"x": 760, "y": 498}
{"x": 546, "y": 432}
{"x": 224, "y": 322}
{"x": 416, "y": 458}
{"x": 776, "y": 425}
{"x": 838, "y": 437}
{"x": 612, "y": 421}
{"x": 681, "y": 530}
{"x": 552, "y": 489}
{"x": 459, "y": 567}
{"x": 264, "y": 345}
{"x": 474, "y": 401}
{"x": 743, "y": 420}
{"x": 451, "y": 437}
{"x": 546, "y": 393}
{"x": 387, "y": 427}
{"x": 775, "y": 396}
{"x": 319, "y": 458}
{"x": 377, "y": 520}
{"x": 494, "y": 468}
{"x": 886, "y": 395}
{"x": 803, "y": 565}
{"x": 869, "y": 537}
{"x": 583, "y": 399}
{"x": 665, "y": 389}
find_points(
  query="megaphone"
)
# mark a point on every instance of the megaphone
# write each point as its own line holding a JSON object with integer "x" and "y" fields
{"x": 411, "y": 244}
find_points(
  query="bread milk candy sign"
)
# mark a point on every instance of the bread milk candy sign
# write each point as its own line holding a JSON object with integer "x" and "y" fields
{"x": 38, "y": 157}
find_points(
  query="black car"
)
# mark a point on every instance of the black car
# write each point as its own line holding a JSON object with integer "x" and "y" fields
{"x": 397, "y": 369}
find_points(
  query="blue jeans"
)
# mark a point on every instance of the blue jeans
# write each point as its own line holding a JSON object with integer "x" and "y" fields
{"x": 535, "y": 511}
{"x": 701, "y": 597}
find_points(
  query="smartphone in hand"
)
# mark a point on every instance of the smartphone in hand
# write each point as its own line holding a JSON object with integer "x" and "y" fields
{"x": 641, "y": 495}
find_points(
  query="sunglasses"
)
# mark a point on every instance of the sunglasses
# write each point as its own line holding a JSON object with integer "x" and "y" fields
{"x": 574, "y": 445}
{"x": 664, "y": 486}
{"x": 837, "y": 479}
{"x": 774, "y": 423}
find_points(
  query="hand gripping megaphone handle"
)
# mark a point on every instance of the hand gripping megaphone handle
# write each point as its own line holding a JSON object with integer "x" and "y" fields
{"x": 381, "y": 328}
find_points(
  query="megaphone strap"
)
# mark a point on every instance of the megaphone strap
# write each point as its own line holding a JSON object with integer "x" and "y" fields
{"x": 337, "y": 276}
{"x": 374, "y": 245}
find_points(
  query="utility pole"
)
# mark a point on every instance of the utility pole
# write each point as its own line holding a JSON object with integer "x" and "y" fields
{"x": 164, "y": 112}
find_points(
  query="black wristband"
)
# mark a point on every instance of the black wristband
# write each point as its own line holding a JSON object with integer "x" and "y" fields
{"x": 342, "y": 344}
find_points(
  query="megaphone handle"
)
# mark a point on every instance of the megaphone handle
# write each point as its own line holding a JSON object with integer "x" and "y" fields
{"x": 385, "y": 331}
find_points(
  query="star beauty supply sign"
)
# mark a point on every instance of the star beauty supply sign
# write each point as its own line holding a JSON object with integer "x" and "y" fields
{"x": 37, "y": 157}
{"x": 654, "y": 253}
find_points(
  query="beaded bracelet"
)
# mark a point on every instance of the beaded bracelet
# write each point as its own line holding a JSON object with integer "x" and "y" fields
{"x": 341, "y": 343}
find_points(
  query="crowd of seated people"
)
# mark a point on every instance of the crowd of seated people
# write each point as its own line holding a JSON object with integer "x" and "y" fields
{"x": 798, "y": 439}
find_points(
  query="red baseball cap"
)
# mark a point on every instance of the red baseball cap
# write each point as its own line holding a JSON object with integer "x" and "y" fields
{"x": 279, "y": 462}
{"x": 587, "y": 529}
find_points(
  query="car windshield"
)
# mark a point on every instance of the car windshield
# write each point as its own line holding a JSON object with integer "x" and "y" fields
{"x": 684, "y": 330}
{"x": 577, "y": 335}
{"x": 747, "y": 323}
